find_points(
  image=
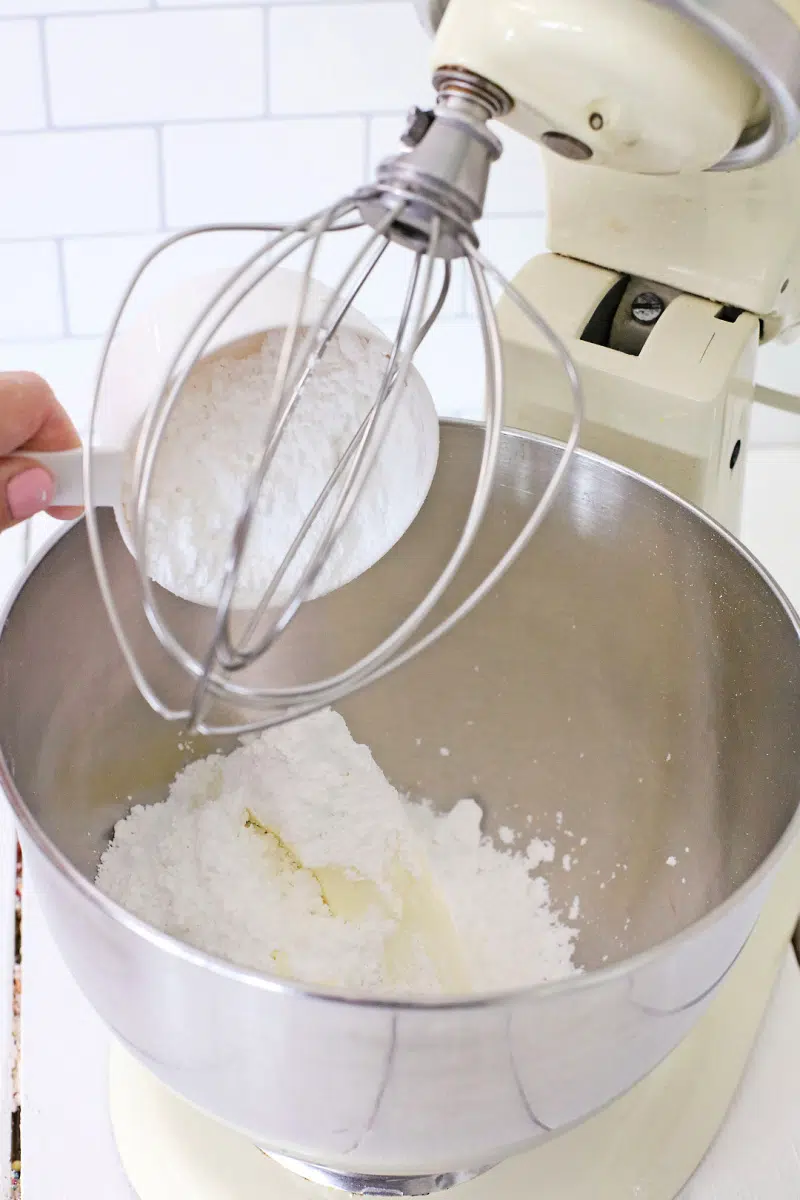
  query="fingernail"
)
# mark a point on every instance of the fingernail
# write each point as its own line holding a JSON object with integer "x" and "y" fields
{"x": 29, "y": 493}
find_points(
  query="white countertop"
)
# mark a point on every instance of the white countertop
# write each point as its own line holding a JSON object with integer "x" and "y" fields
{"x": 67, "y": 1147}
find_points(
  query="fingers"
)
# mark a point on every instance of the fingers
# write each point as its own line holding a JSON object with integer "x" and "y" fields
{"x": 31, "y": 419}
{"x": 25, "y": 489}
{"x": 30, "y": 416}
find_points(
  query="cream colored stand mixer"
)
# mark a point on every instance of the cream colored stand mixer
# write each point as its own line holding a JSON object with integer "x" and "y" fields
{"x": 674, "y": 229}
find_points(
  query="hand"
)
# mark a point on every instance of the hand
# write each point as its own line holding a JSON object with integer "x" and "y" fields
{"x": 30, "y": 419}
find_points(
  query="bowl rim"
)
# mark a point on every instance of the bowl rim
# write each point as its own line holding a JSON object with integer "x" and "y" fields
{"x": 250, "y": 977}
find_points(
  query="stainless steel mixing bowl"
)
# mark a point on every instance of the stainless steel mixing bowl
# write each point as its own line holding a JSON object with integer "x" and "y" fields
{"x": 636, "y": 672}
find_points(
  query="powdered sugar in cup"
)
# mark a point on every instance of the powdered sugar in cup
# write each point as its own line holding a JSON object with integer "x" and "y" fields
{"x": 215, "y": 433}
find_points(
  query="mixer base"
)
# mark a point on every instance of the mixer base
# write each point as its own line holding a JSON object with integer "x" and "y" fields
{"x": 646, "y": 1144}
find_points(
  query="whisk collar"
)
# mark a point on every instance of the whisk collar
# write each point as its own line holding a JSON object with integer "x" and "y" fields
{"x": 442, "y": 179}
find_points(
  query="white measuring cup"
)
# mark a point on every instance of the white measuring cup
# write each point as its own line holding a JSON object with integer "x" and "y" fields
{"x": 141, "y": 354}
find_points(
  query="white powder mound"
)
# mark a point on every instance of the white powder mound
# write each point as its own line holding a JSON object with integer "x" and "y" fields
{"x": 502, "y": 913}
{"x": 538, "y": 852}
{"x": 214, "y": 439}
{"x": 294, "y": 855}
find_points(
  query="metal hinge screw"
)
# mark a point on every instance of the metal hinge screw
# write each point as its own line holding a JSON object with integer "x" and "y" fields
{"x": 646, "y": 308}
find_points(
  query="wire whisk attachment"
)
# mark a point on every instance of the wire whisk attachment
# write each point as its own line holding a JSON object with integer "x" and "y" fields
{"x": 425, "y": 200}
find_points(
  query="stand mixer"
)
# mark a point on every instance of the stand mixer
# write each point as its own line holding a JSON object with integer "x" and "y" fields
{"x": 673, "y": 255}
{"x": 669, "y": 131}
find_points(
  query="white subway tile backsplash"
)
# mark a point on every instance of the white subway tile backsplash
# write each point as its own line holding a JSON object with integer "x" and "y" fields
{"x": 452, "y": 364}
{"x": 96, "y": 272}
{"x": 771, "y": 426}
{"x": 221, "y": 4}
{"x": 68, "y": 364}
{"x": 384, "y": 138}
{"x": 511, "y": 241}
{"x": 331, "y": 58}
{"x": 259, "y": 170}
{"x": 21, "y": 77}
{"x": 30, "y": 294}
{"x": 99, "y": 269}
{"x": 35, "y": 8}
{"x": 156, "y": 66}
{"x": 73, "y": 183}
{"x": 517, "y": 179}
{"x": 777, "y": 366}
{"x": 508, "y": 242}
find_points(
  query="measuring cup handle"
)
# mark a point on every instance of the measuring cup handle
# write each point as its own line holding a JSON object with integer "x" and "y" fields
{"x": 66, "y": 467}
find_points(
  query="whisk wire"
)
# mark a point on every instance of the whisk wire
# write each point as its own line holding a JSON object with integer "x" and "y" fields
{"x": 431, "y": 210}
{"x": 394, "y": 379}
{"x": 291, "y": 377}
{"x": 335, "y": 521}
{"x": 369, "y": 668}
{"x": 282, "y": 404}
{"x": 173, "y": 381}
{"x": 184, "y": 659}
{"x": 227, "y": 654}
{"x": 383, "y": 660}
{"x": 317, "y": 341}
{"x": 232, "y": 657}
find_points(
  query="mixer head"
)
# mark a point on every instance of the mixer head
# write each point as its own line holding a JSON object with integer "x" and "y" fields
{"x": 427, "y": 201}
{"x": 655, "y": 87}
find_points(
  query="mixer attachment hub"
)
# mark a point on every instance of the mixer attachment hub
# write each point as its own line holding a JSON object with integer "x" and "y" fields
{"x": 441, "y": 181}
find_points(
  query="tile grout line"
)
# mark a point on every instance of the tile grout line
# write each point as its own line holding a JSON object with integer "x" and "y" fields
{"x": 154, "y": 6}
{"x": 162, "y": 175}
{"x": 49, "y": 341}
{"x": 33, "y": 238}
{"x": 345, "y": 114}
{"x": 62, "y": 287}
{"x": 44, "y": 66}
{"x": 367, "y": 148}
{"x": 266, "y": 40}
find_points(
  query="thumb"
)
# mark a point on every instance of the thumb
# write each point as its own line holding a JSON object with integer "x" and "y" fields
{"x": 26, "y": 488}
